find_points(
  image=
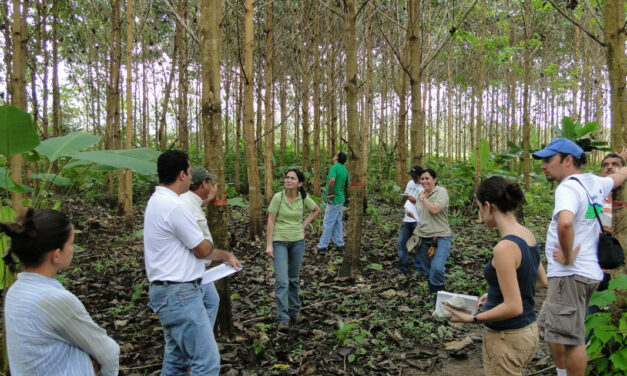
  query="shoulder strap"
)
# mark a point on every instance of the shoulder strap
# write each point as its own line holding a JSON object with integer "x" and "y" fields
{"x": 280, "y": 203}
{"x": 594, "y": 209}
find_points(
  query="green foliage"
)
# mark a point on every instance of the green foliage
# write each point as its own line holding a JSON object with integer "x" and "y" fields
{"x": 16, "y": 131}
{"x": 57, "y": 147}
{"x": 577, "y": 132}
{"x": 350, "y": 334}
{"x": 607, "y": 346}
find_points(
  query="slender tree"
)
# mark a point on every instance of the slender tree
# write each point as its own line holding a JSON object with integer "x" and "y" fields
{"x": 269, "y": 124}
{"x": 350, "y": 266}
{"x": 254, "y": 194}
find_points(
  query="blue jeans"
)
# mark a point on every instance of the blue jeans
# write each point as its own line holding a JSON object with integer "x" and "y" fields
{"x": 211, "y": 299}
{"x": 407, "y": 228}
{"x": 288, "y": 256}
{"x": 332, "y": 224}
{"x": 434, "y": 267}
{"x": 189, "y": 340}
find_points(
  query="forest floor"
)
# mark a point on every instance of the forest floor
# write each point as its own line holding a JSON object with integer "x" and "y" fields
{"x": 376, "y": 324}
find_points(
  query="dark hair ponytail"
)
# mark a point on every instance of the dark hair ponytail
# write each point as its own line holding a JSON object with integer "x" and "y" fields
{"x": 505, "y": 194}
{"x": 301, "y": 179}
{"x": 34, "y": 234}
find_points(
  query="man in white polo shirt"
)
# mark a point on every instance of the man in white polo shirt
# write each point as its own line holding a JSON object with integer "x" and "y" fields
{"x": 571, "y": 251}
{"x": 201, "y": 191}
{"x": 175, "y": 251}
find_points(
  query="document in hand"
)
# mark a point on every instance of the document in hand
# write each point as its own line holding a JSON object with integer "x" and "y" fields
{"x": 411, "y": 207}
{"x": 468, "y": 303}
{"x": 218, "y": 272}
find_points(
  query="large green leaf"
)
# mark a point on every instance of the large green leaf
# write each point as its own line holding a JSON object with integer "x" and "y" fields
{"x": 142, "y": 153}
{"x": 603, "y": 298}
{"x": 118, "y": 159}
{"x": 56, "y": 147}
{"x": 620, "y": 282}
{"x": 6, "y": 183}
{"x": 619, "y": 359}
{"x": 52, "y": 178}
{"x": 17, "y": 133}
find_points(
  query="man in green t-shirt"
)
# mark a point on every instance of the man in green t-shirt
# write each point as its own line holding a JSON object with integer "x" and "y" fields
{"x": 337, "y": 180}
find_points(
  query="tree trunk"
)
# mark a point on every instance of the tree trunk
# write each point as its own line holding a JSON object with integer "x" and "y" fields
{"x": 527, "y": 79}
{"x": 127, "y": 188}
{"x": 254, "y": 196}
{"x": 316, "y": 100}
{"x": 480, "y": 59}
{"x": 161, "y": 132}
{"x": 350, "y": 265}
{"x": 211, "y": 112}
{"x": 615, "y": 54}
{"x": 283, "y": 105}
{"x": 183, "y": 86}
{"x": 269, "y": 124}
{"x": 238, "y": 133}
{"x": 417, "y": 121}
{"x": 305, "y": 79}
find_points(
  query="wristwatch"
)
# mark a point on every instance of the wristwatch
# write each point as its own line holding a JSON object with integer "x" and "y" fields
{"x": 474, "y": 318}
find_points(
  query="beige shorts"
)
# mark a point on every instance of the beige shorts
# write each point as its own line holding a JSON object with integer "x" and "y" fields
{"x": 507, "y": 352}
{"x": 563, "y": 312}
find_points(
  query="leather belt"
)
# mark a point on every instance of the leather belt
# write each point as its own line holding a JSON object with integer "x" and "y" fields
{"x": 158, "y": 283}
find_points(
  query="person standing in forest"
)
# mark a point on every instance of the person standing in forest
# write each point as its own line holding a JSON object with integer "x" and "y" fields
{"x": 48, "y": 330}
{"x": 411, "y": 219}
{"x": 434, "y": 232}
{"x": 337, "y": 181}
{"x": 175, "y": 251}
{"x": 571, "y": 251}
{"x": 510, "y": 337}
{"x": 285, "y": 244}
{"x": 201, "y": 191}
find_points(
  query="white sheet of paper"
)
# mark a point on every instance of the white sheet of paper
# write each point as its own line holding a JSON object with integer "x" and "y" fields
{"x": 471, "y": 301}
{"x": 411, "y": 207}
{"x": 217, "y": 272}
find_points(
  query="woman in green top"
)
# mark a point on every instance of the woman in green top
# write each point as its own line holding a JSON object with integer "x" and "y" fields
{"x": 434, "y": 231}
{"x": 286, "y": 243}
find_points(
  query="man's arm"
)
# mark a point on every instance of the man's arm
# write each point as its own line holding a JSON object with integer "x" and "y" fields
{"x": 331, "y": 186}
{"x": 206, "y": 250}
{"x": 619, "y": 177}
{"x": 566, "y": 235}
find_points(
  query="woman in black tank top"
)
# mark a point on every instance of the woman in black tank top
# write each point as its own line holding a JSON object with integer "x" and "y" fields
{"x": 510, "y": 337}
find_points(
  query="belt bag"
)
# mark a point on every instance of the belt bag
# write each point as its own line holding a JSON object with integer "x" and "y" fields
{"x": 610, "y": 252}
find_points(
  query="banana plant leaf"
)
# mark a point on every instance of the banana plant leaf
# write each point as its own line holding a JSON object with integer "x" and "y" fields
{"x": 57, "y": 147}
{"x": 17, "y": 133}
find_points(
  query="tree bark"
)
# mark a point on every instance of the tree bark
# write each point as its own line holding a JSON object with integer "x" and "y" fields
{"x": 350, "y": 265}
{"x": 316, "y": 100}
{"x": 183, "y": 85}
{"x": 127, "y": 187}
{"x": 211, "y": 112}
{"x": 269, "y": 113}
{"x": 254, "y": 194}
{"x": 480, "y": 59}
{"x": 526, "y": 99}
{"x": 417, "y": 116}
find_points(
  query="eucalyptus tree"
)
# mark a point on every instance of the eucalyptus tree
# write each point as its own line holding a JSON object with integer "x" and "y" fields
{"x": 350, "y": 265}
{"x": 19, "y": 38}
{"x": 254, "y": 193}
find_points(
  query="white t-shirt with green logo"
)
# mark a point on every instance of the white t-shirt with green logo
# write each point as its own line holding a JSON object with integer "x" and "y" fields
{"x": 412, "y": 189}
{"x": 571, "y": 196}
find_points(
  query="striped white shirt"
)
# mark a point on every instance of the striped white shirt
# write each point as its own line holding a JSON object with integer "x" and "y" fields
{"x": 49, "y": 331}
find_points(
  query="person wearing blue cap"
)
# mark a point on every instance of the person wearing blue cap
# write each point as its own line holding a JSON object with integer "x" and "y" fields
{"x": 571, "y": 251}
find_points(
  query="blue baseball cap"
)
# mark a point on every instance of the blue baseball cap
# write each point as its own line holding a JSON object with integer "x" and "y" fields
{"x": 559, "y": 145}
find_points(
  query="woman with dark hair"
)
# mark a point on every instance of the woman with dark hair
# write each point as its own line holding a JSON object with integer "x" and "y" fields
{"x": 48, "y": 329}
{"x": 286, "y": 243}
{"x": 510, "y": 338}
{"x": 434, "y": 232}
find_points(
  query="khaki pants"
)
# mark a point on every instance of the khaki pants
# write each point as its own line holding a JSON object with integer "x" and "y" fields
{"x": 507, "y": 352}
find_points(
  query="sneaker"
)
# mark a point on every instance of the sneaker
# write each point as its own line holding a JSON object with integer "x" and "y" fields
{"x": 283, "y": 327}
{"x": 323, "y": 250}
